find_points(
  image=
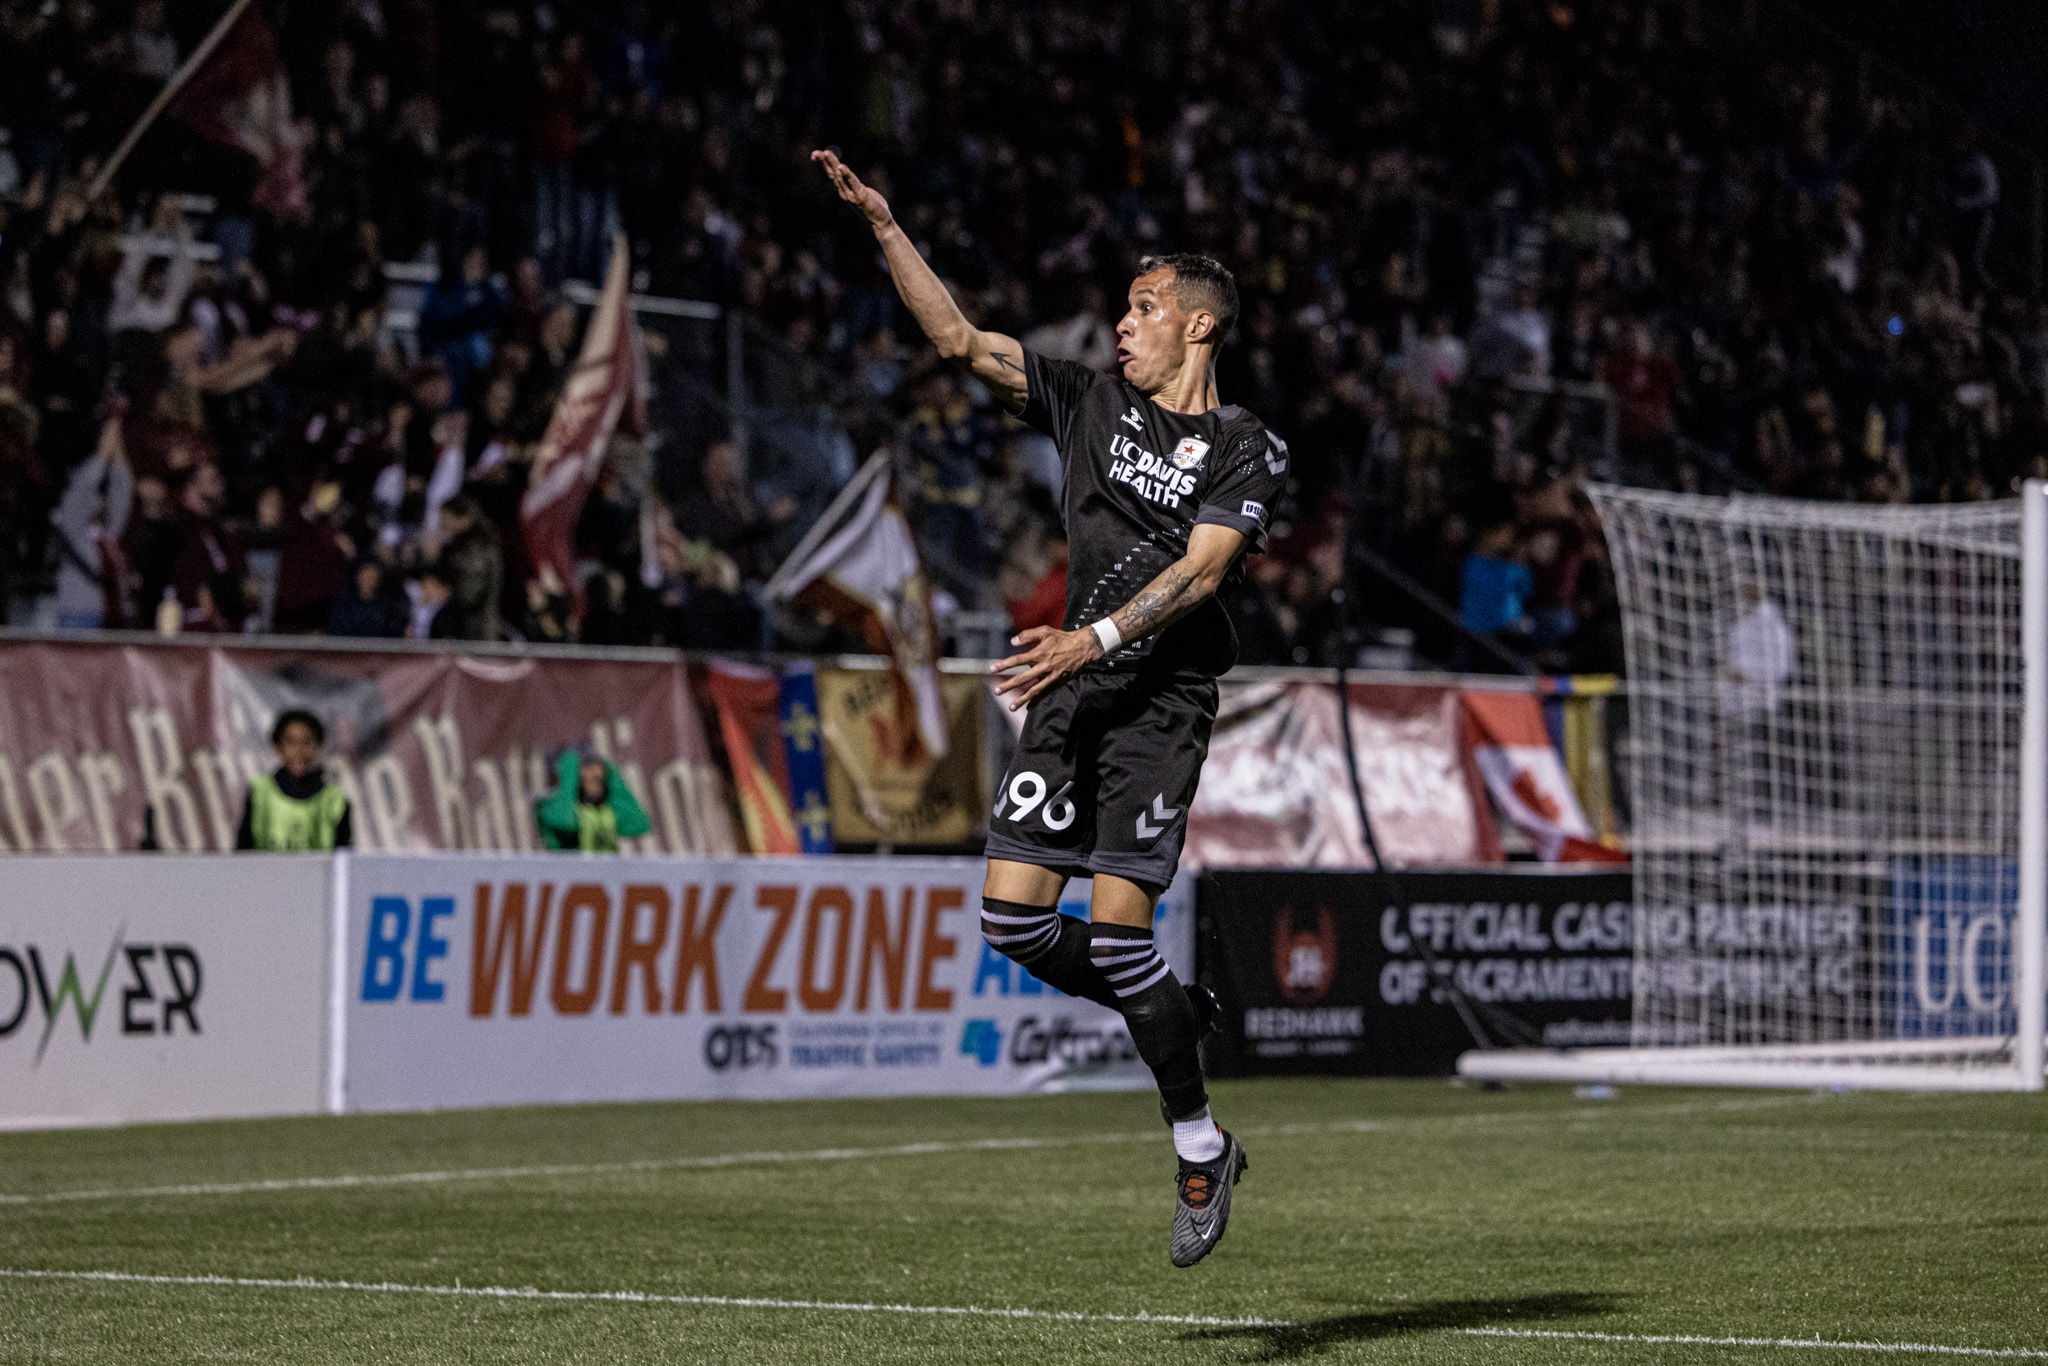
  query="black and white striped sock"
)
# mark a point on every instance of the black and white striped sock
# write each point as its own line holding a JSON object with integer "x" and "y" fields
{"x": 1126, "y": 958}
{"x": 1053, "y": 946}
{"x": 1019, "y": 932}
{"x": 1156, "y": 1011}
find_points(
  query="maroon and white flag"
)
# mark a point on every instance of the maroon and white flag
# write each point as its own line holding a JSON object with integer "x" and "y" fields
{"x": 858, "y": 565}
{"x": 237, "y": 94}
{"x": 605, "y": 393}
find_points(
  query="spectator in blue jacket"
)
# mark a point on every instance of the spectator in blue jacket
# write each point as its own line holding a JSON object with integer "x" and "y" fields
{"x": 1494, "y": 589}
{"x": 460, "y": 317}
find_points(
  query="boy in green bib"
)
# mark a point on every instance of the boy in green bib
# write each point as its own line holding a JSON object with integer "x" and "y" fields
{"x": 296, "y": 809}
{"x": 591, "y": 808}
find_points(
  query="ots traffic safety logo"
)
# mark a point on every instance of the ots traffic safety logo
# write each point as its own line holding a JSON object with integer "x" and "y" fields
{"x": 160, "y": 985}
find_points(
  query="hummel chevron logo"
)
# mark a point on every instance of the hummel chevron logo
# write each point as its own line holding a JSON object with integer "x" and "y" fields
{"x": 1276, "y": 455}
{"x": 1137, "y": 424}
{"x": 1162, "y": 813}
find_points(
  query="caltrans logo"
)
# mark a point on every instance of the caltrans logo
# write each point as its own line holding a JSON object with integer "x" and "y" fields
{"x": 159, "y": 986}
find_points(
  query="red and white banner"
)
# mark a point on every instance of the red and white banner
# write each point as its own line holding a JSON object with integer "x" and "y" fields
{"x": 745, "y": 697}
{"x": 435, "y": 750}
{"x": 239, "y": 95}
{"x": 513, "y": 981}
{"x": 859, "y": 565}
{"x": 1527, "y": 778}
{"x": 1275, "y": 792}
{"x": 606, "y": 392}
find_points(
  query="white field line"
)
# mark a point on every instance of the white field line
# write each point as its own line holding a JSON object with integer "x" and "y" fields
{"x": 372, "y": 1180}
{"x": 1872, "y": 1134}
{"x": 1808, "y": 1344}
{"x": 497, "y": 1292}
{"x": 652, "y": 1164}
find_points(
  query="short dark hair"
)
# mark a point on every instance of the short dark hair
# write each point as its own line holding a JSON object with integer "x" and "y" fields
{"x": 298, "y": 716}
{"x": 1208, "y": 284}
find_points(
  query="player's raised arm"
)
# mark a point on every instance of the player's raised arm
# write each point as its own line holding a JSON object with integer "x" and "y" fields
{"x": 1051, "y": 657}
{"x": 994, "y": 359}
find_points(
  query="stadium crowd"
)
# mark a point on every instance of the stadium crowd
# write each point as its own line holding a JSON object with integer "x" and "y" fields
{"x": 1488, "y": 249}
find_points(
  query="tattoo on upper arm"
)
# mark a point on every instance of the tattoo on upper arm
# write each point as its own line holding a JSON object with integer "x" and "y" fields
{"x": 1002, "y": 358}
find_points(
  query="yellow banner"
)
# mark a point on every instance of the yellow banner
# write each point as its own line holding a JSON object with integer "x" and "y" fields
{"x": 884, "y": 786}
{"x": 1585, "y": 752}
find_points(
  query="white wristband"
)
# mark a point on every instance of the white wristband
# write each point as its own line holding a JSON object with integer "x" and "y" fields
{"x": 1106, "y": 632}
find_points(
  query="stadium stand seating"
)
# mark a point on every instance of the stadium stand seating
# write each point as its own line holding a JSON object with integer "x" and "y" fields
{"x": 1720, "y": 264}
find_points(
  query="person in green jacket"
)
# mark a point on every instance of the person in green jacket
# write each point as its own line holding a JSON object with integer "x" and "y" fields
{"x": 296, "y": 809}
{"x": 591, "y": 808}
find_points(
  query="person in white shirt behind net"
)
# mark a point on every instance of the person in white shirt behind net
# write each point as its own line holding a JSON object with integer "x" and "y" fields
{"x": 1760, "y": 657}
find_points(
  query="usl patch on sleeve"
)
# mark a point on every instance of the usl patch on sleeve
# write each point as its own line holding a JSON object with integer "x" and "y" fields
{"x": 1255, "y": 511}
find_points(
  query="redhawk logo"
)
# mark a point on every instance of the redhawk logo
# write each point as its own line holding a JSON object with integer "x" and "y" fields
{"x": 1304, "y": 960}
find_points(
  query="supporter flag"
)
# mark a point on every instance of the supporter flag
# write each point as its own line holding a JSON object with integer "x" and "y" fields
{"x": 1522, "y": 769}
{"x": 859, "y": 566}
{"x": 803, "y": 752}
{"x": 746, "y": 698}
{"x": 606, "y": 392}
{"x": 881, "y": 784}
{"x": 234, "y": 91}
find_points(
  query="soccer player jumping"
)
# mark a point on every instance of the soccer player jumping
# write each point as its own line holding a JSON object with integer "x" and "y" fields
{"x": 1164, "y": 490}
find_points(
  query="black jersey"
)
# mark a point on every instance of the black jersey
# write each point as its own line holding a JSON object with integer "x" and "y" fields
{"x": 1139, "y": 479}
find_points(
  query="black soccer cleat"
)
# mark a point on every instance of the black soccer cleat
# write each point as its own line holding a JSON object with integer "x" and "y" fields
{"x": 1208, "y": 1010}
{"x": 1203, "y": 1210}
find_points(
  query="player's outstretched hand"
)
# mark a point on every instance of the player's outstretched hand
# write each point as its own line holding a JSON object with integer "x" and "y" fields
{"x": 871, "y": 204}
{"x": 1050, "y": 658}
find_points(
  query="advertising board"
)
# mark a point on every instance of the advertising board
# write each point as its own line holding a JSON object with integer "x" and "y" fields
{"x": 161, "y": 989}
{"x": 512, "y": 980}
{"x": 1947, "y": 948}
{"x": 1362, "y": 975}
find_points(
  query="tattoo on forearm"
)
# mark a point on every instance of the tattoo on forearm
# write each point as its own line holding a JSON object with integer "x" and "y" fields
{"x": 1002, "y": 358}
{"x": 1158, "y": 605}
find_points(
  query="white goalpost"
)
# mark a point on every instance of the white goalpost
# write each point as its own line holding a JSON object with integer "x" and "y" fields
{"x": 1839, "y": 771}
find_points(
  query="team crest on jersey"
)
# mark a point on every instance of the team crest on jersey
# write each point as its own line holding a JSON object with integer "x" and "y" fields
{"x": 1189, "y": 453}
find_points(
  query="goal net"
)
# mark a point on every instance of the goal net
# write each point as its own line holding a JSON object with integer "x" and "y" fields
{"x": 1837, "y": 715}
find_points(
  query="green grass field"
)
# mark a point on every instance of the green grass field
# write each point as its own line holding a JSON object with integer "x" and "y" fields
{"x": 1380, "y": 1221}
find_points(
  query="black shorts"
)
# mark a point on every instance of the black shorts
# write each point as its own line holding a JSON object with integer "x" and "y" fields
{"x": 1104, "y": 775}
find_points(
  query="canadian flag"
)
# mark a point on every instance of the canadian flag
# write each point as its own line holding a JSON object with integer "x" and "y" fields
{"x": 859, "y": 566}
{"x": 1527, "y": 779}
{"x": 237, "y": 93}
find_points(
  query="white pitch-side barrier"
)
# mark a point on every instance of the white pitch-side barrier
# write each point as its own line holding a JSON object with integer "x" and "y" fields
{"x": 136, "y": 988}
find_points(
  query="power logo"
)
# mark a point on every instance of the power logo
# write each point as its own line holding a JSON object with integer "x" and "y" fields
{"x": 162, "y": 986}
